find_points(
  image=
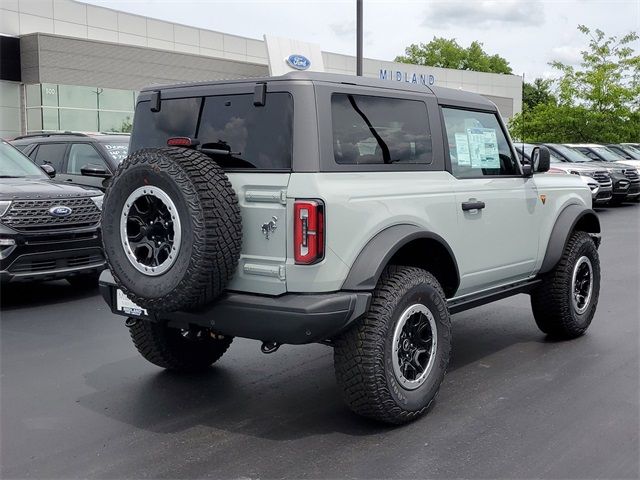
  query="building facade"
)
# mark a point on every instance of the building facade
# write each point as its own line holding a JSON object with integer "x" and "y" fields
{"x": 67, "y": 65}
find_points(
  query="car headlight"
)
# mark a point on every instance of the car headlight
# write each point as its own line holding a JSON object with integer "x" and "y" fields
{"x": 573, "y": 172}
{"x": 619, "y": 171}
{"x": 98, "y": 201}
{"x": 4, "y": 206}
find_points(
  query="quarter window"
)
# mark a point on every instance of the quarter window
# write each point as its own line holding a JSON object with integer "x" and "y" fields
{"x": 379, "y": 130}
{"x": 477, "y": 144}
{"x": 51, "y": 154}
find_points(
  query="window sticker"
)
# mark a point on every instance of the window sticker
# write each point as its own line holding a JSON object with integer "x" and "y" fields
{"x": 462, "y": 149}
{"x": 483, "y": 148}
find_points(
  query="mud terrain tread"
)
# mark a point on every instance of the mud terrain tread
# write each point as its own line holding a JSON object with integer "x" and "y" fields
{"x": 359, "y": 352}
{"x": 216, "y": 221}
{"x": 550, "y": 302}
{"x": 154, "y": 342}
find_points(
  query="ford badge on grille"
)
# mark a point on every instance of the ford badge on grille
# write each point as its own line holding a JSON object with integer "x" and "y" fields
{"x": 60, "y": 211}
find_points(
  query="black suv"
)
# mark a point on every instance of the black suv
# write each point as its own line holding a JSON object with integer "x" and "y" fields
{"x": 78, "y": 158}
{"x": 48, "y": 230}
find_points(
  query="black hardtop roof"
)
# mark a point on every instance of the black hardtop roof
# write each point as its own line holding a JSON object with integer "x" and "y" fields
{"x": 444, "y": 95}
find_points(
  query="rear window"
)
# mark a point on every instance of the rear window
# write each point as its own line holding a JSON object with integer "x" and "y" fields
{"x": 379, "y": 130}
{"x": 118, "y": 151}
{"x": 232, "y": 130}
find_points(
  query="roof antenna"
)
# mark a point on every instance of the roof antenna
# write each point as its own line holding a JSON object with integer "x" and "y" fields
{"x": 359, "y": 38}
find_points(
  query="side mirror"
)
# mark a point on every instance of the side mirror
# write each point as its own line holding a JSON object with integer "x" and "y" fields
{"x": 541, "y": 159}
{"x": 94, "y": 171}
{"x": 48, "y": 169}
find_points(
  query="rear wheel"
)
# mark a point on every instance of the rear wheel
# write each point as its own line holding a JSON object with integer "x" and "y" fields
{"x": 391, "y": 363}
{"x": 184, "y": 350}
{"x": 564, "y": 305}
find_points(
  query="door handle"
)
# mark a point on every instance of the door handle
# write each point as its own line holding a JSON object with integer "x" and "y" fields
{"x": 69, "y": 180}
{"x": 472, "y": 205}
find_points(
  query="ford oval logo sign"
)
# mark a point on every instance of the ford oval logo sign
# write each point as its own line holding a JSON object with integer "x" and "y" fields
{"x": 60, "y": 211}
{"x": 299, "y": 62}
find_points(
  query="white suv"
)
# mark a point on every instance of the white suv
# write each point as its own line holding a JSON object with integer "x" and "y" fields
{"x": 342, "y": 210}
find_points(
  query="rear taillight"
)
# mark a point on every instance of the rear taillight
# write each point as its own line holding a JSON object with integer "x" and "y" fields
{"x": 182, "y": 142}
{"x": 308, "y": 231}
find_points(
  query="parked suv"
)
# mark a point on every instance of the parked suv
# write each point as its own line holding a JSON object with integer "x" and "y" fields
{"x": 343, "y": 210}
{"x": 624, "y": 184}
{"x": 598, "y": 180}
{"x": 48, "y": 230}
{"x": 78, "y": 158}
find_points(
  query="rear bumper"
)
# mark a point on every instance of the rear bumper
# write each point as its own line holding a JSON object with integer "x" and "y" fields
{"x": 288, "y": 318}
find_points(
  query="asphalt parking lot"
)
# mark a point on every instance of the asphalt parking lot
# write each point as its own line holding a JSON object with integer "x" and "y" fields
{"x": 77, "y": 401}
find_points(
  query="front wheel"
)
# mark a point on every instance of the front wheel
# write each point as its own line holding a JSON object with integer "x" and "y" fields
{"x": 182, "y": 350}
{"x": 391, "y": 363}
{"x": 564, "y": 305}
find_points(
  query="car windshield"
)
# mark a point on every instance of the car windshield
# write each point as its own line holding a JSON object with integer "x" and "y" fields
{"x": 14, "y": 164}
{"x": 117, "y": 150}
{"x": 633, "y": 151}
{"x": 608, "y": 155}
{"x": 571, "y": 154}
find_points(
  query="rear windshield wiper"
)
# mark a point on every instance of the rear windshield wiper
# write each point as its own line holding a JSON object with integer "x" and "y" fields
{"x": 10, "y": 176}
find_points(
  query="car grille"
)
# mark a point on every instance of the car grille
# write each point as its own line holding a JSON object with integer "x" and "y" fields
{"x": 632, "y": 174}
{"x": 33, "y": 215}
{"x": 42, "y": 263}
{"x": 603, "y": 178}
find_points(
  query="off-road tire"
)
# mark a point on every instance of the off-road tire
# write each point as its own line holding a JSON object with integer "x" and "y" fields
{"x": 551, "y": 302}
{"x": 362, "y": 354}
{"x": 211, "y": 228}
{"x": 168, "y": 348}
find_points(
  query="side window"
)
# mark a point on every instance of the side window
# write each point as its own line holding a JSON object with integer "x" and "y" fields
{"x": 379, "y": 130}
{"x": 477, "y": 145}
{"x": 81, "y": 155}
{"x": 50, "y": 153}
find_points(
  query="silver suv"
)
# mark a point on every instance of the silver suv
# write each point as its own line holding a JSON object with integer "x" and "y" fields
{"x": 358, "y": 213}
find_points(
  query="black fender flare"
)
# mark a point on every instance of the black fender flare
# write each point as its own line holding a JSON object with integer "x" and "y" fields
{"x": 569, "y": 218}
{"x": 375, "y": 255}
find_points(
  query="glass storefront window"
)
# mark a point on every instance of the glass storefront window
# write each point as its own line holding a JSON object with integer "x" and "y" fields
{"x": 49, "y": 95}
{"x": 115, "y": 121}
{"x": 78, "y": 120}
{"x": 50, "y": 119}
{"x": 33, "y": 96}
{"x": 34, "y": 119}
{"x": 110, "y": 99}
{"x": 78, "y": 97}
{"x": 78, "y": 108}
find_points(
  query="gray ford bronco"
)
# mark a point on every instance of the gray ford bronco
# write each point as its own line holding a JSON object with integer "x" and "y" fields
{"x": 358, "y": 213}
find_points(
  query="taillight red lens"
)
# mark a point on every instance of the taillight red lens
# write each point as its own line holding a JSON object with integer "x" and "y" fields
{"x": 180, "y": 142}
{"x": 308, "y": 231}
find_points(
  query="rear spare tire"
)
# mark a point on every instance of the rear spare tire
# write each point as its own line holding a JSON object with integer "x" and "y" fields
{"x": 171, "y": 228}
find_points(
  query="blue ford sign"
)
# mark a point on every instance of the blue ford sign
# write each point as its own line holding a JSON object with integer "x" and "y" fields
{"x": 299, "y": 62}
{"x": 60, "y": 211}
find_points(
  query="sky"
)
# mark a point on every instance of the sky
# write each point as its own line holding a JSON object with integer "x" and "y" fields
{"x": 528, "y": 33}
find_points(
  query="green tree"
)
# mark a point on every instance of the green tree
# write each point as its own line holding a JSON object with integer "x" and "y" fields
{"x": 448, "y": 53}
{"x": 536, "y": 93}
{"x": 597, "y": 102}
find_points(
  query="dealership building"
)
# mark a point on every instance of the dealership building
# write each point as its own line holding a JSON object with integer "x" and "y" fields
{"x": 67, "y": 65}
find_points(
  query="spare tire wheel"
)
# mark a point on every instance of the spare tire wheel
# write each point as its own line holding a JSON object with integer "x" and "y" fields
{"x": 171, "y": 228}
